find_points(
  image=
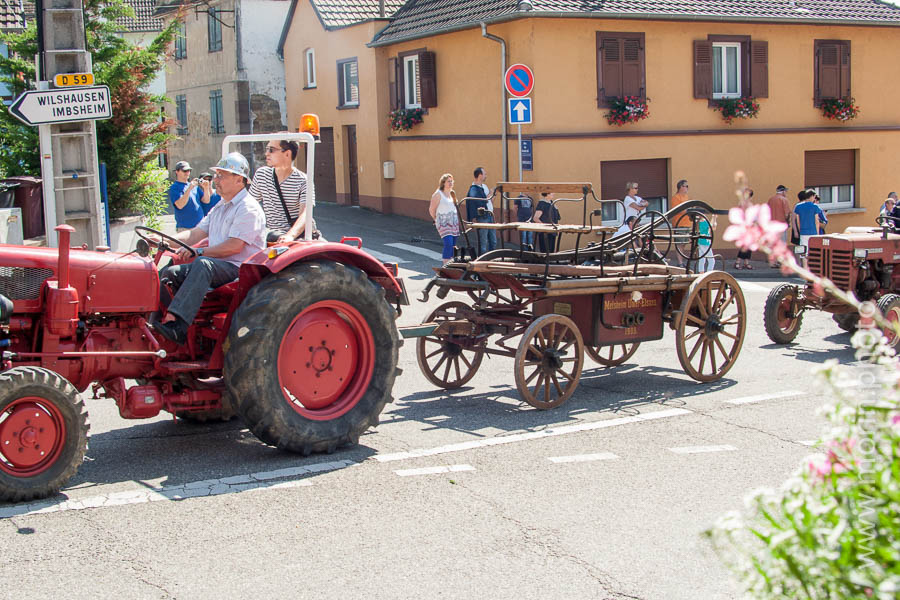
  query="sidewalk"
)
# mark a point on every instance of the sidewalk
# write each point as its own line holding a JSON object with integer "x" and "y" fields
{"x": 407, "y": 229}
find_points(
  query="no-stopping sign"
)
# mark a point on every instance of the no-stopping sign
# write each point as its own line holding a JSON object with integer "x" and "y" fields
{"x": 519, "y": 80}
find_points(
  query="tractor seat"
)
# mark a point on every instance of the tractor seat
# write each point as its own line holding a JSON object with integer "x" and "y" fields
{"x": 223, "y": 292}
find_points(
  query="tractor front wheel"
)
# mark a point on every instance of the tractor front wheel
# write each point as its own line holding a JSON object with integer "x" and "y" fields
{"x": 43, "y": 433}
{"x": 311, "y": 356}
{"x": 783, "y": 314}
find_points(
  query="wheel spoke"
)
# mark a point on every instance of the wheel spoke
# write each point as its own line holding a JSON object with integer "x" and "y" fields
{"x": 699, "y": 322}
{"x": 537, "y": 384}
{"x": 439, "y": 363}
{"x": 703, "y": 357}
{"x": 567, "y": 346}
{"x": 436, "y": 352}
{"x": 719, "y": 293}
{"x": 530, "y": 377}
{"x": 726, "y": 334}
{"x": 725, "y": 353}
{"x": 537, "y": 353}
{"x": 712, "y": 356}
{"x": 559, "y": 389}
{"x": 546, "y": 389}
{"x": 612, "y": 350}
{"x": 695, "y": 348}
{"x": 728, "y": 302}
{"x": 694, "y": 333}
{"x": 465, "y": 360}
{"x": 456, "y": 366}
{"x": 700, "y": 304}
{"x": 447, "y": 371}
{"x": 569, "y": 376}
{"x": 733, "y": 320}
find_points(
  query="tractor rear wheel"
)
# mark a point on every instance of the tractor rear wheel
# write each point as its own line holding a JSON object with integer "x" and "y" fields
{"x": 782, "y": 318}
{"x": 889, "y": 305}
{"x": 43, "y": 433}
{"x": 311, "y": 356}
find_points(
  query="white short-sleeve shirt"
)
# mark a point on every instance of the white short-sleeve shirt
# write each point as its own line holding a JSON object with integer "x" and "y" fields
{"x": 241, "y": 217}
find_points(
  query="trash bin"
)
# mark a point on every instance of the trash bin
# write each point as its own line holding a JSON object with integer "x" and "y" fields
{"x": 29, "y": 197}
{"x": 7, "y": 194}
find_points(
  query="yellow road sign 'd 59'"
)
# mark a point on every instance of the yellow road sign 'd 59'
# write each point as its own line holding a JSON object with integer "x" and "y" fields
{"x": 68, "y": 79}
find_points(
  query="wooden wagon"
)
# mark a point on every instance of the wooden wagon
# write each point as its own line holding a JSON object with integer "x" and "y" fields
{"x": 604, "y": 298}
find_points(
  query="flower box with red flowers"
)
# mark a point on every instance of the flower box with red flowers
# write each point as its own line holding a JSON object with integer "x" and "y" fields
{"x": 627, "y": 109}
{"x": 840, "y": 109}
{"x": 403, "y": 119}
{"x": 737, "y": 108}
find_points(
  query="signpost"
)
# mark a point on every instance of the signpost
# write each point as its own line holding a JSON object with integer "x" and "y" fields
{"x": 527, "y": 151}
{"x": 519, "y": 81}
{"x": 39, "y": 107}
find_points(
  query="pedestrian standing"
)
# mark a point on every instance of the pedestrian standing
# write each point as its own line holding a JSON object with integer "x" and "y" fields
{"x": 185, "y": 194}
{"x": 780, "y": 210}
{"x": 823, "y": 216}
{"x": 634, "y": 204}
{"x": 744, "y": 254}
{"x": 210, "y": 197}
{"x": 443, "y": 210}
{"x": 546, "y": 212}
{"x": 280, "y": 188}
{"x": 524, "y": 212}
{"x": 805, "y": 219}
{"x": 707, "y": 261}
{"x": 487, "y": 238}
{"x": 683, "y": 221}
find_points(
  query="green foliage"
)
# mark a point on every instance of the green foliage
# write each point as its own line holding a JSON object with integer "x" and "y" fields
{"x": 128, "y": 142}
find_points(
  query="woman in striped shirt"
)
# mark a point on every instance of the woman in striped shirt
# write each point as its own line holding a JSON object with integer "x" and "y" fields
{"x": 285, "y": 219}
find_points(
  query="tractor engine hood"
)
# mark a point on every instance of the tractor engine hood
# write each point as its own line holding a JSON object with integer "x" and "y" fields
{"x": 107, "y": 282}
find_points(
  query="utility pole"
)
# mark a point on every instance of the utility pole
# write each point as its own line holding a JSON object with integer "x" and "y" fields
{"x": 69, "y": 162}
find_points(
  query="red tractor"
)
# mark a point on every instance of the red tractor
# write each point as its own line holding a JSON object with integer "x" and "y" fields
{"x": 302, "y": 346}
{"x": 861, "y": 260}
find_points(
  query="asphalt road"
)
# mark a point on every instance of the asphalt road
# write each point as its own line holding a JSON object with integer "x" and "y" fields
{"x": 462, "y": 494}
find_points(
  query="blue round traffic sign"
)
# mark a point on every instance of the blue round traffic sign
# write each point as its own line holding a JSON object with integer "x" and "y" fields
{"x": 519, "y": 80}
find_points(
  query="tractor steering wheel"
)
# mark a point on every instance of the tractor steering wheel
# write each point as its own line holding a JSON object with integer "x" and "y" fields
{"x": 161, "y": 242}
{"x": 891, "y": 222}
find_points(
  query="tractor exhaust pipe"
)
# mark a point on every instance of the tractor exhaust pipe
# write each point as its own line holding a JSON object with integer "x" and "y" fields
{"x": 64, "y": 232}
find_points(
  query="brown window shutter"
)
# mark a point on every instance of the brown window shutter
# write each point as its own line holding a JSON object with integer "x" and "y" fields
{"x": 340, "y": 82}
{"x": 633, "y": 66}
{"x": 828, "y": 72}
{"x": 829, "y": 167}
{"x": 845, "y": 69}
{"x": 610, "y": 68}
{"x": 428, "y": 79}
{"x": 651, "y": 174}
{"x": 759, "y": 69}
{"x": 702, "y": 69}
{"x": 394, "y": 82}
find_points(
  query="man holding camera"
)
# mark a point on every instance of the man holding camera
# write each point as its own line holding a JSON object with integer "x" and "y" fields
{"x": 185, "y": 195}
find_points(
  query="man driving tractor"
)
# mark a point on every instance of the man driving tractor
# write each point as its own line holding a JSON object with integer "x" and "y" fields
{"x": 235, "y": 228}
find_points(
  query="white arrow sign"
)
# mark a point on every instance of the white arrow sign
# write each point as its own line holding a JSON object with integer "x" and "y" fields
{"x": 519, "y": 111}
{"x": 61, "y": 106}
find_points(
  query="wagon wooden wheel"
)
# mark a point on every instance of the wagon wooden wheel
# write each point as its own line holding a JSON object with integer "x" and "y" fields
{"x": 446, "y": 359}
{"x": 612, "y": 355}
{"x": 549, "y": 361}
{"x": 710, "y": 329}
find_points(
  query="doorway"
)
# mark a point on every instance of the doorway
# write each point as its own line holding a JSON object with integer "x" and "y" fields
{"x": 352, "y": 165}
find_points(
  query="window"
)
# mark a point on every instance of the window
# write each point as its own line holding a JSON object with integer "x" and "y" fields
{"x": 181, "y": 41}
{"x": 214, "y": 29}
{"x": 832, "y": 70}
{"x": 412, "y": 78}
{"x": 726, "y": 71}
{"x": 832, "y": 173}
{"x": 181, "y": 114}
{"x": 651, "y": 175}
{"x": 731, "y": 66}
{"x": 348, "y": 83}
{"x": 5, "y": 91}
{"x": 620, "y": 66}
{"x": 411, "y": 93}
{"x": 216, "y": 118}
{"x": 310, "y": 66}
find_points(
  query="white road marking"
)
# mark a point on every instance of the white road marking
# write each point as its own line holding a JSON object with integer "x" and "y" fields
{"x": 434, "y": 470}
{"x": 753, "y": 287}
{"x": 807, "y": 442}
{"x": 582, "y": 457}
{"x": 532, "y": 435}
{"x": 416, "y": 250}
{"x": 388, "y": 258}
{"x": 701, "y": 449}
{"x": 761, "y": 397}
{"x": 194, "y": 489}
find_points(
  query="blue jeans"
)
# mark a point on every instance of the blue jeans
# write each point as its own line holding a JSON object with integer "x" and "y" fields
{"x": 487, "y": 238}
{"x": 192, "y": 280}
{"x": 526, "y": 237}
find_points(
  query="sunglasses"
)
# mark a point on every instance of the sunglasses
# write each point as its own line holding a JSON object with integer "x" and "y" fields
{"x": 271, "y": 149}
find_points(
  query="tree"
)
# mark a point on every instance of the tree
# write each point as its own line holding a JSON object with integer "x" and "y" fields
{"x": 129, "y": 141}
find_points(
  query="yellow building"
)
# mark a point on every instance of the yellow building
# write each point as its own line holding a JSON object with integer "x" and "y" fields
{"x": 792, "y": 60}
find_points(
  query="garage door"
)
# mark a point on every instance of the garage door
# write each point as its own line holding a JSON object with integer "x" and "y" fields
{"x": 651, "y": 174}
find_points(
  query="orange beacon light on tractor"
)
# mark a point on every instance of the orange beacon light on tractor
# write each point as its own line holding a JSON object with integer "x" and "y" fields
{"x": 309, "y": 123}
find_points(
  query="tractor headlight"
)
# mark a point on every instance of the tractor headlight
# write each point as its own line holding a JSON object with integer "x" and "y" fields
{"x": 860, "y": 253}
{"x": 6, "y": 309}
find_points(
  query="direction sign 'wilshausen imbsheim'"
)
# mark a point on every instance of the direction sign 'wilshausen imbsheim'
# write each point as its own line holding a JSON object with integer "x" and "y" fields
{"x": 59, "y": 106}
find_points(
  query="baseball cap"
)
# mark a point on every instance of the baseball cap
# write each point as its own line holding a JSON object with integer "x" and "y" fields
{"x": 183, "y": 165}
{"x": 206, "y": 175}
{"x": 781, "y": 188}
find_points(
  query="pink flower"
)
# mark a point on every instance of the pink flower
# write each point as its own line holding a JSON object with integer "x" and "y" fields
{"x": 754, "y": 228}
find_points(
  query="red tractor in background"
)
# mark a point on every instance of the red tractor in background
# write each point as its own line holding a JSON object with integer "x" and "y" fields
{"x": 302, "y": 346}
{"x": 862, "y": 260}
